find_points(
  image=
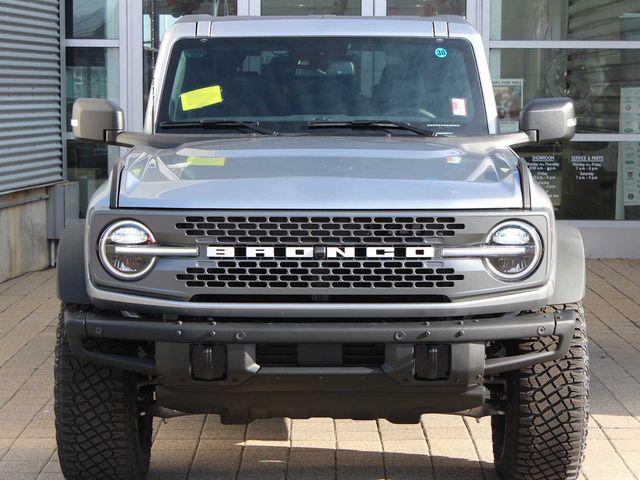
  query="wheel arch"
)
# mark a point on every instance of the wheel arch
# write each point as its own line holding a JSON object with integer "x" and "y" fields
{"x": 570, "y": 267}
{"x": 71, "y": 279}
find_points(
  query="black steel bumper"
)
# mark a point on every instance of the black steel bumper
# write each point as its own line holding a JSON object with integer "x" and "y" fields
{"x": 248, "y": 390}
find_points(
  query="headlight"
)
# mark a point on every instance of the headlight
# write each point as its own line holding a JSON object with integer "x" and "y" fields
{"x": 126, "y": 266}
{"x": 520, "y": 262}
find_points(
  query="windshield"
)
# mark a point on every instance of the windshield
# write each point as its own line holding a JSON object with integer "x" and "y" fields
{"x": 289, "y": 84}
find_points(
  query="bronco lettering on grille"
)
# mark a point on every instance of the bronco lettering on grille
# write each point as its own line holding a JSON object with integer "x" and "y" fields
{"x": 320, "y": 252}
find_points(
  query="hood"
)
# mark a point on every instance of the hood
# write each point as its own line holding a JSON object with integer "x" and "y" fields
{"x": 322, "y": 173}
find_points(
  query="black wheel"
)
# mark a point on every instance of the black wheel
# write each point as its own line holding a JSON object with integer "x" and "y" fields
{"x": 100, "y": 431}
{"x": 544, "y": 430}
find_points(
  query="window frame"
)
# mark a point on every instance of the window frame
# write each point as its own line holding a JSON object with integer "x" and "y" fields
{"x": 485, "y": 28}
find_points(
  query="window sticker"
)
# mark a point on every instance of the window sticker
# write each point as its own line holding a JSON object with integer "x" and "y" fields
{"x": 441, "y": 52}
{"x": 206, "y": 161}
{"x": 201, "y": 98}
{"x": 459, "y": 107}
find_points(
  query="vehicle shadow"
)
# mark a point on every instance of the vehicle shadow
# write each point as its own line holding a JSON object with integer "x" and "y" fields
{"x": 271, "y": 449}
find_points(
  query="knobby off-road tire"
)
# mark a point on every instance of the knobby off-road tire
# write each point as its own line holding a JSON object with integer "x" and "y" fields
{"x": 544, "y": 430}
{"x": 99, "y": 430}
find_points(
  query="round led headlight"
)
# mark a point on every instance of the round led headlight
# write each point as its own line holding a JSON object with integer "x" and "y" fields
{"x": 123, "y": 264}
{"x": 521, "y": 255}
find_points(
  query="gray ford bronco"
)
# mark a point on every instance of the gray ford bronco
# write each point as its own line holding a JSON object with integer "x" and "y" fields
{"x": 321, "y": 218}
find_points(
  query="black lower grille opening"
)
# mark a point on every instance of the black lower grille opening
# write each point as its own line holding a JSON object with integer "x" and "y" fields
{"x": 353, "y": 355}
{"x": 277, "y": 354}
{"x": 363, "y": 354}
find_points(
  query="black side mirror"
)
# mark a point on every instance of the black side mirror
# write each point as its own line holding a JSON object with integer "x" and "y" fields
{"x": 549, "y": 119}
{"x": 96, "y": 120}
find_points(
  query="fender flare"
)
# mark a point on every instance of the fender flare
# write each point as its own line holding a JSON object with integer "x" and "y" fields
{"x": 570, "y": 269}
{"x": 72, "y": 287}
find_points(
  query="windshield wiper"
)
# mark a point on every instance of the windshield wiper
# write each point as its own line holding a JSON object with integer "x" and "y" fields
{"x": 372, "y": 124}
{"x": 209, "y": 123}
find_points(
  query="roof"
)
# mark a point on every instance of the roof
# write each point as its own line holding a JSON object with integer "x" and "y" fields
{"x": 326, "y": 25}
{"x": 395, "y": 18}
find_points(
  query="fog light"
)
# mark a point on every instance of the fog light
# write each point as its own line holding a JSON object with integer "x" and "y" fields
{"x": 525, "y": 260}
{"x": 126, "y": 266}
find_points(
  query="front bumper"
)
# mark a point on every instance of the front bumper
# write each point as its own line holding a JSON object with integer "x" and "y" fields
{"x": 248, "y": 390}
{"x": 508, "y": 302}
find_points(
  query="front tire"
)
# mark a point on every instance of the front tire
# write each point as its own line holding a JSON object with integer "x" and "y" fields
{"x": 99, "y": 430}
{"x": 544, "y": 430}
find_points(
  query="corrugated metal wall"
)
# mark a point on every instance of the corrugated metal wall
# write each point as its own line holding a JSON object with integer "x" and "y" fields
{"x": 30, "y": 94}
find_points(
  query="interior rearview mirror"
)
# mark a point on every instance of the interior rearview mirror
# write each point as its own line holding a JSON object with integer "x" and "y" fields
{"x": 549, "y": 119}
{"x": 96, "y": 120}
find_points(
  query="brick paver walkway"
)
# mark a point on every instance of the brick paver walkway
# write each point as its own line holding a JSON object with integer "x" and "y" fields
{"x": 441, "y": 447}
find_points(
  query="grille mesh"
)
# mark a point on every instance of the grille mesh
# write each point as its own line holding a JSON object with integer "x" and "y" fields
{"x": 295, "y": 274}
{"x": 319, "y": 230}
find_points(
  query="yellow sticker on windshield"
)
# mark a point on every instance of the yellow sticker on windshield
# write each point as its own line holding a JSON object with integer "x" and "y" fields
{"x": 206, "y": 161}
{"x": 201, "y": 98}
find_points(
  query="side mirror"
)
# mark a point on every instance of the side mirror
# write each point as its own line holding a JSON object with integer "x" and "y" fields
{"x": 96, "y": 120}
{"x": 549, "y": 119}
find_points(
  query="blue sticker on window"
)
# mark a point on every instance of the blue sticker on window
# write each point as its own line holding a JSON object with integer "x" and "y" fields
{"x": 441, "y": 52}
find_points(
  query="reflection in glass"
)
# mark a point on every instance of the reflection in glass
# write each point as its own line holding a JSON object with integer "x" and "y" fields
{"x": 92, "y": 72}
{"x": 580, "y": 177}
{"x": 311, "y": 7}
{"x": 426, "y": 8}
{"x": 88, "y": 164}
{"x": 95, "y": 19}
{"x": 588, "y": 180}
{"x": 628, "y": 205}
{"x": 594, "y": 79}
{"x": 564, "y": 20}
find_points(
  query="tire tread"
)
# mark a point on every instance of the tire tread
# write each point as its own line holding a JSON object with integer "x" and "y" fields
{"x": 545, "y": 432}
{"x": 96, "y": 415}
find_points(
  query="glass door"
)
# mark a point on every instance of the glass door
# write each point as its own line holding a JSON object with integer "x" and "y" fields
{"x": 421, "y": 8}
{"x": 310, "y": 7}
{"x": 427, "y": 8}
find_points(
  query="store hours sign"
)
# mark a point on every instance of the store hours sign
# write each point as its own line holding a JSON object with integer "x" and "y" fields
{"x": 547, "y": 170}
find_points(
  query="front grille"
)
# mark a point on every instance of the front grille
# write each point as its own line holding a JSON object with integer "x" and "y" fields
{"x": 310, "y": 274}
{"x": 350, "y": 230}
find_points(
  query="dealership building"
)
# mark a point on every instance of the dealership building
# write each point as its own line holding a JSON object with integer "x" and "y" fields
{"x": 54, "y": 51}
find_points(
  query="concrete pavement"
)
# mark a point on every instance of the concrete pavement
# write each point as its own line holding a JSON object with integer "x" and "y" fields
{"x": 440, "y": 447}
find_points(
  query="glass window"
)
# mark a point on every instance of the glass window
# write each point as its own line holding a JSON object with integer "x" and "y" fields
{"x": 88, "y": 164}
{"x": 564, "y": 20}
{"x": 427, "y": 8}
{"x": 92, "y": 72}
{"x": 589, "y": 180}
{"x": 311, "y": 7}
{"x": 287, "y": 82}
{"x": 95, "y": 19}
{"x": 597, "y": 80}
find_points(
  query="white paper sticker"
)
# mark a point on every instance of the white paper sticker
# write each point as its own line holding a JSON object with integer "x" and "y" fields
{"x": 459, "y": 107}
